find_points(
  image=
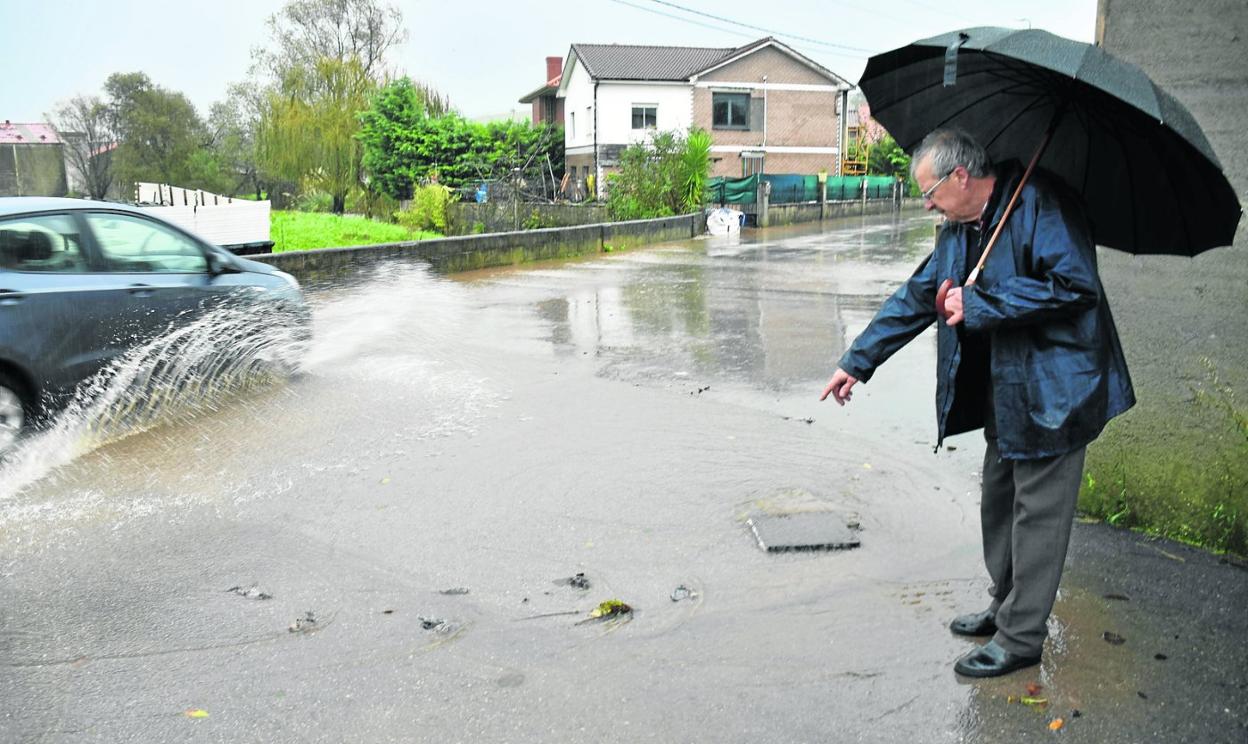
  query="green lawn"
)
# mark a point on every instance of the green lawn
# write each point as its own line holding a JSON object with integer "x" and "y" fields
{"x": 301, "y": 231}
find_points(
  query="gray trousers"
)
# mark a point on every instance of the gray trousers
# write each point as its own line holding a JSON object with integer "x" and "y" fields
{"x": 1026, "y": 512}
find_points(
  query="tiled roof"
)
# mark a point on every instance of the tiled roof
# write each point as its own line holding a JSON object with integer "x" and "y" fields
{"x": 631, "y": 62}
{"x": 26, "y": 134}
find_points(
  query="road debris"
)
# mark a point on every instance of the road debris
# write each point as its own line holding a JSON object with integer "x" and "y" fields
{"x": 1113, "y": 638}
{"x": 305, "y": 624}
{"x": 578, "y": 581}
{"x": 249, "y": 592}
{"x": 683, "y": 592}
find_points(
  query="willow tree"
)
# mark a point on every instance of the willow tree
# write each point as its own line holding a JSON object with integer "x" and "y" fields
{"x": 308, "y": 125}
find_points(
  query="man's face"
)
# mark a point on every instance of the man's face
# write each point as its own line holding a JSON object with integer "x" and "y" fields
{"x": 947, "y": 196}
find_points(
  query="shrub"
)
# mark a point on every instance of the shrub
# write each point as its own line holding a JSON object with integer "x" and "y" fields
{"x": 428, "y": 210}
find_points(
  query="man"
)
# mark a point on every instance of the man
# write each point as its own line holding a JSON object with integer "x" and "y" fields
{"x": 1028, "y": 352}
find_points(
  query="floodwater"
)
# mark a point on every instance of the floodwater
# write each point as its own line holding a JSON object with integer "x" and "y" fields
{"x": 419, "y": 500}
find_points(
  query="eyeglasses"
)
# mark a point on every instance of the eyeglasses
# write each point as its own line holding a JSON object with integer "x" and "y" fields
{"x": 927, "y": 195}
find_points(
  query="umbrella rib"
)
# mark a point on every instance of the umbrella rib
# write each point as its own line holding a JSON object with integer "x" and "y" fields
{"x": 1035, "y": 103}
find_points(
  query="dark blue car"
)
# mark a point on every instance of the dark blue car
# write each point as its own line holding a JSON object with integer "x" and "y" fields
{"x": 82, "y": 282}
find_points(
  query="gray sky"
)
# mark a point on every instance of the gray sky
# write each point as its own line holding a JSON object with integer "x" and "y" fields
{"x": 484, "y": 55}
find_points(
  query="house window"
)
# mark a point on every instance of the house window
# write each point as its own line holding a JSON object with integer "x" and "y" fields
{"x": 645, "y": 116}
{"x": 730, "y": 110}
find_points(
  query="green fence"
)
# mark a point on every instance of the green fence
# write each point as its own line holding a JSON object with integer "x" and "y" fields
{"x": 789, "y": 188}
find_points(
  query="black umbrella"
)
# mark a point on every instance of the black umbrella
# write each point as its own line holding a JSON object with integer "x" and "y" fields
{"x": 1148, "y": 177}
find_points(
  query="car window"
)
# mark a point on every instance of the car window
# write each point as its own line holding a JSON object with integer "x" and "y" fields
{"x": 46, "y": 243}
{"x": 133, "y": 244}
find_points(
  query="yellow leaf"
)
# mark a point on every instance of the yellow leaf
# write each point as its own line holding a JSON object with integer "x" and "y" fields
{"x": 196, "y": 713}
{"x": 866, "y": 466}
{"x": 1056, "y": 724}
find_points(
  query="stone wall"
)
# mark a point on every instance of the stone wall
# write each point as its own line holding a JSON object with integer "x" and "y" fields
{"x": 504, "y": 216}
{"x": 468, "y": 252}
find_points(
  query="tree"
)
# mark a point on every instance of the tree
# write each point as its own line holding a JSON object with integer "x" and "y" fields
{"x": 307, "y": 129}
{"x": 232, "y": 128}
{"x": 85, "y": 126}
{"x": 391, "y": 129}
{"x": 158, "y": 130}
{"x": 325, "y": 59}
{"x": 408, "y": 136}
{"x": 305, "y": 32}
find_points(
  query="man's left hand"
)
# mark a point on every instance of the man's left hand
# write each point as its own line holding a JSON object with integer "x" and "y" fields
{"x": 953, "y": 306}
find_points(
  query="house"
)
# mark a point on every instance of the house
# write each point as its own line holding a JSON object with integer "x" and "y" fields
{"x": 767, "y": 107}
{"x": 32, "y": 160}
{"x": 547, "y": 106}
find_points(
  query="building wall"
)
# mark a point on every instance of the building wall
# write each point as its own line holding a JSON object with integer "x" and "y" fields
{"x": 578, "y": 96}
{"x": 615, "y": 110}
{"x": 728, "y": 164}
{"x": 797, "y": 107}
{"x": 776, "y": 65}
{"x": 1200, "y": 58}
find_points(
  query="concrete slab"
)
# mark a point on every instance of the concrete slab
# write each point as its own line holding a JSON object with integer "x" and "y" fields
{"x": 809, "y": 531}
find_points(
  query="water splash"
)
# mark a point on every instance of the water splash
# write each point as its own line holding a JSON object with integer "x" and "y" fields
{"x": 187, "y": 371}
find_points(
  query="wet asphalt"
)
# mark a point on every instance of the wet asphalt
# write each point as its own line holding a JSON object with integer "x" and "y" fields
{"x": 406, "y": 542}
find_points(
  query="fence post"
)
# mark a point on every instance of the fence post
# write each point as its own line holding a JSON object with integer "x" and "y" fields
{"x": 864, "y": 194}
{"x": 763, "y": 198}
{"x": 823, "y": 199}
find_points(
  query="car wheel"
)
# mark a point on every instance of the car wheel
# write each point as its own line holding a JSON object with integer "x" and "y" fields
{"x": 14, "y": 411}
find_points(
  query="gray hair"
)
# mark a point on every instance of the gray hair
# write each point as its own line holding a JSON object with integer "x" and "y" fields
{"x": 950, "y": 147}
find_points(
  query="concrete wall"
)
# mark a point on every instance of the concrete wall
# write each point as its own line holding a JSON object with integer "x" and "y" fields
{"x": 503, "y": 216}
{"x": 1178, "y": 460}
{"x": 483, "y": 251}
{"x": 789, "y": 214}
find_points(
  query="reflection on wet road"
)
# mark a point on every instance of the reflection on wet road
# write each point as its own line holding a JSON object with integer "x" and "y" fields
{"x": 456, "y": 448}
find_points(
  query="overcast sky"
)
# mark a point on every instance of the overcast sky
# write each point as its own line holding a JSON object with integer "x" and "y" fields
{"x": 484, "y": 55}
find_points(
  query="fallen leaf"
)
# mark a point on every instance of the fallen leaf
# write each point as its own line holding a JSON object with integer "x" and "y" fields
{"x": 1012, "y": 699}
{"x": 384, "y": 481}
{"x": 1113, "y": 638}
{"x": 610, "y": 608}
{"x": 1118, "y": 597}
{"x": 1033, "y": 688}
{"x": 1033, "y": 701}
{"x": 866, "y": 466}
{"x": 196, "y": 713}
{"x": 1160, "y": 657}
{"x": 1056, "y": 724}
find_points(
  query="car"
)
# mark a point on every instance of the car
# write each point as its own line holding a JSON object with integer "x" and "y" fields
{"x": 83, "y": 282}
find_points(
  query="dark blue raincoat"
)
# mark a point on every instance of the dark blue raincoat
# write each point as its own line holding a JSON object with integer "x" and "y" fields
{"x": 1057, "y": 372}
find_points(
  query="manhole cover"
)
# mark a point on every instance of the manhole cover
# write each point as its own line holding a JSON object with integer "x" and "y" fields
{"x": 810, "y": 531}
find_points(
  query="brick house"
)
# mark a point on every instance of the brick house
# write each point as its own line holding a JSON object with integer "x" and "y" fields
{"x": 547, "y": 106}
{"x": 767, "y": 107}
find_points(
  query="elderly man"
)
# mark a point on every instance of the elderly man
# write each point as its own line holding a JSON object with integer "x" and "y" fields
{"x": 1028, "y": 352}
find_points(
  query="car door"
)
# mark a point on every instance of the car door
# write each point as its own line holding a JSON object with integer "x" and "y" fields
{"x": 53, "y": 310}
{"x": 162, "y": 273}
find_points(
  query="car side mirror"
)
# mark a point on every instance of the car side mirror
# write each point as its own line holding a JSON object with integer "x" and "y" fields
{"x": 221, "y": 264}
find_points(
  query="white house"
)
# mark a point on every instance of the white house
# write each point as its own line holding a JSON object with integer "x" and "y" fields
{"x": 767, "y": 107}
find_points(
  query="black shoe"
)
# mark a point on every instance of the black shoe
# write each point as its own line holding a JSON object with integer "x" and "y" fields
{"x": 979, "y": 624}
{"x": 990, "y": 660}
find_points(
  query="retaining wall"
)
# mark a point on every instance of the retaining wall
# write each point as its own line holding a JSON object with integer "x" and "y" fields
{"x": 468, "y": 252}
{"x": 503, "y": 216}
{"x": 789, "y": 214}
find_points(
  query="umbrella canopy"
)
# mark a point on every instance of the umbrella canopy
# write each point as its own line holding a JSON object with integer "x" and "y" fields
{"x": 1149, "y": 178}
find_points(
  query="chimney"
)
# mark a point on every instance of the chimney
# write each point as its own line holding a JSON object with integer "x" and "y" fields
{"x": 554, "y": 67}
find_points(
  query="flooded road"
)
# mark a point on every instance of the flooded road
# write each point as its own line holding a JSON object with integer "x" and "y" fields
{"x": 417, "y": 504}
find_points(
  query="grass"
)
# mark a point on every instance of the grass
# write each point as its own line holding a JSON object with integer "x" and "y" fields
{"x": 1177, "y": 469}
{"x": 301, "y": 231}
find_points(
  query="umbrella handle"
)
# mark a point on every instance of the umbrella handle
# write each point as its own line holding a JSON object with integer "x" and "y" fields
{"x": 1044, "y": 142}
